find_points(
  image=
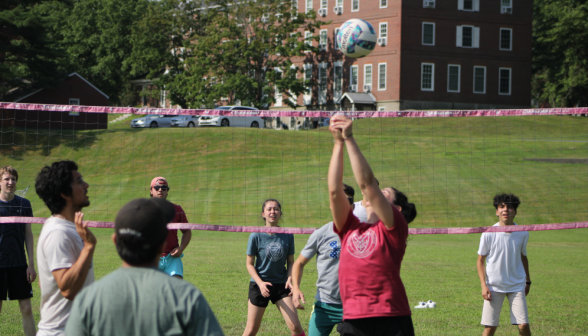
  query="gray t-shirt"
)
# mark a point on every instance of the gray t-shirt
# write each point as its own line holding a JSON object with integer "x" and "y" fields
{"x": 271, "y": 253}
{"x": 142, "y": 302}
{"x": 325, "y": 243}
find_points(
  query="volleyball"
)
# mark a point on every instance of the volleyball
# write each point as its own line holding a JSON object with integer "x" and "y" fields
{"x": 356, "y": 38}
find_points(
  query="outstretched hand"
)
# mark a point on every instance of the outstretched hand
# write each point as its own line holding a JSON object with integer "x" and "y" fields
{"x": 342, "y": 123}
{"x": 298, "y": 299}
{"x": 82, "y": 227}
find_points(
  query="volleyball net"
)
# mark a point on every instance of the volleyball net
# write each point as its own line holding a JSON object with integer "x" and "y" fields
{"x": 449, "y": 163}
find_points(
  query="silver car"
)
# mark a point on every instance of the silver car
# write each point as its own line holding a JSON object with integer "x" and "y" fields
{"x": 185, "y": 121}
{"x": 233, "y": 121}
{"x": 153, "y": 120}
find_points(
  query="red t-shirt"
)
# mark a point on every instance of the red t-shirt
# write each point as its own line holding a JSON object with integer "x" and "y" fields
{"x": 369, "y": 268}
{"x": 172, "y": 235}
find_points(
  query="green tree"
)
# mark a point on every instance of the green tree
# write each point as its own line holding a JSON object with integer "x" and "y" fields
{"x": 560, "y": 52}
{"x": 30, "y": 51}
{"x": 237, "y": 50}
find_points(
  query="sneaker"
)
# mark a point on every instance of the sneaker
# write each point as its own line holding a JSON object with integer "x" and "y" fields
{"x": 421, "y": 305}
{"x": 430, "y": 304}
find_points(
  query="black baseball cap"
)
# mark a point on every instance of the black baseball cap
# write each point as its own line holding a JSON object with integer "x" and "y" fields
{"x": 142, "y": 223}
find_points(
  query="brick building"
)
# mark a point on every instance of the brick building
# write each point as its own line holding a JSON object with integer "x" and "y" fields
{"x": 431, "y": 54}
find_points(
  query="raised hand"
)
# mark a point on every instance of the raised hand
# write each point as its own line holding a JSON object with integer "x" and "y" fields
{"x": 344, "y": 124}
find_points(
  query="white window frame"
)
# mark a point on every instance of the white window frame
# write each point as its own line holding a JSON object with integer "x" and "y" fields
{"x": 308, "y": 6}
{"x": 475, "y": 6}
{"x": 356, "y": 75}
{"x": 339, "y": 3}
{"x": 475, "y": 37}
{"x": 474, "y": 86}
{"x": 365, "y": 75}
{"x": 278, "y": 96}
{"x": 500, "y": 40}
{"x": 382, "y": 86}
{"x": 434, "y": 3}
{"x": 324, "y": 4}
{"x": 336, "y": 65}
{"x": 383, "y": 32}
{"x": 335, "y": 45}
{"x": 503, "y": 6}
{"x": 509, "y": 81}
{"x": 74, "y": 101}
{"x": 432, "y": 88}
{"x": 355, "y": 2}
{"x": 423, "y": 34}
{"x": 324, "y": 38}
{"x": 322, "y": 93}
{"x": 308, "y": 39}
{"x": 307, "y": 96}
{"x": 385, "y": 5}
{"x": 458, "y": 77}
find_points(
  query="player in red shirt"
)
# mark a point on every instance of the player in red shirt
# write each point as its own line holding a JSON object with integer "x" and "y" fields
{"x": 373, "y": 295}
{"x": 171, "y": 260}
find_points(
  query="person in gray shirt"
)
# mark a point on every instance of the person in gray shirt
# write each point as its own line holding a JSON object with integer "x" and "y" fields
{"x": 138, "y": 299}
{"x": 328, "y": 308}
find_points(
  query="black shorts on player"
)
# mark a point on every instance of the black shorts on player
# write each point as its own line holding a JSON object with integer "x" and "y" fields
{"x": 14, "y": 283}
{"x": 277, "y": 292}
{"x": 378, "y": 326}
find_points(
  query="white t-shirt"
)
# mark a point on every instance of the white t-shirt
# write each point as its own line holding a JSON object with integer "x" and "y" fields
{"x": 504, "y": 268}
{"x": 59, "y": 247}
{"x": 360, "y": 212}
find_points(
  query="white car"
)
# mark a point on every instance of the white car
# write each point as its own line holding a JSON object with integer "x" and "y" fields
{"x": 185, "y": 121}
{"x": 153, "y": 120}
{"x": 233, "y": 121}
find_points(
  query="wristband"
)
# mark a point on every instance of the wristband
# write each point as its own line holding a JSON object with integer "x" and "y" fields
{"x": 528, "y": 283}
{"x": 344, "y": 138}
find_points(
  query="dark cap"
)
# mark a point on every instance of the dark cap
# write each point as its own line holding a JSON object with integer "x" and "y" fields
{"x": 142, "y": 223}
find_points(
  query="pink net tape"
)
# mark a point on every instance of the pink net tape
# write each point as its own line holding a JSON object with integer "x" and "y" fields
{"x": 413, "y": 231}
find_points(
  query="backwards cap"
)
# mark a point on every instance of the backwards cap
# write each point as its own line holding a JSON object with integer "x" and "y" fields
{"x": 158, "y": 181}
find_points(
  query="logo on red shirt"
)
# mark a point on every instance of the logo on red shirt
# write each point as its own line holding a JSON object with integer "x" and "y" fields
{"x": 361, "y": 245}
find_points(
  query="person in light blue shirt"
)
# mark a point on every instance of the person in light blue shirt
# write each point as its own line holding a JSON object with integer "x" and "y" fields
{"x": 267, "y": 255}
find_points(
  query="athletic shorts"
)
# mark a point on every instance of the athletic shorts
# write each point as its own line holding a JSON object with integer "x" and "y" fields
{"x": 324, "y": 317}
{"x": 518, "y": 308}
{"x": 277, "y": 292}
{"x": 172, "y": 265}
{"x": 14, "y": 284}
{"x": 378, "y": 326}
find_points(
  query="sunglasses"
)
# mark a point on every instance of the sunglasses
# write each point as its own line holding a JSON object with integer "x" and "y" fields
{"x": 164, "y": 188}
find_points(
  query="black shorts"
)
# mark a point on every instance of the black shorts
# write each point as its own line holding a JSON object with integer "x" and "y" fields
{"x": 14, "y": 284}
{"x": 277, "y": 292}
{"x": 378, "y": 326}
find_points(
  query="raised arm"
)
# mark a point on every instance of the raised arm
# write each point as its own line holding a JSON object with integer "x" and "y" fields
{"x": 363, "y": 173}
{"x": 297, "y": 271}
{"x": 338, "y": 200}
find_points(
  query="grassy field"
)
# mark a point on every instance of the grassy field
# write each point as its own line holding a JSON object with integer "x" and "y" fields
{"x": 441, "y": 268}
{"x": 449, "y": 167}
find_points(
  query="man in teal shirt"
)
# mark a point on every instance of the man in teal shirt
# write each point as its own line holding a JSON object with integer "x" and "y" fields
{"x": 138, "y": 299}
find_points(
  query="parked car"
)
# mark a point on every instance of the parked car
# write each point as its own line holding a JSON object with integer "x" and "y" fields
{"x": 233, "y": 121}
{"x": 153, "y": 120}
{"x": 185, "y": 121}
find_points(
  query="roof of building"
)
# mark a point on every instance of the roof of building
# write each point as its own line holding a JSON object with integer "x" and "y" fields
{"x": 358, "y": 98}
{"x": 32, "y": 91}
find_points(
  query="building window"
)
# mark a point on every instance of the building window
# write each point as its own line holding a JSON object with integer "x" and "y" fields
{"x": 335, "y": 41}
{"x": 353, "y": 78}
{"x": 339, "y": 3}
{"x": 277, "y": 93}
{"x": 367, "y": 77}
{"x": 383, "y": 29}
{"x": 506, "y": 7}
{"x": 468, "y": 5}
{"x": 324, "y": 4}
{"x": 354, "y": 5}
{"x": 338, "y": 81}
{"x": 323, "y": 83}
{"x": 308, "y": 6}
{"x": 453, "y": 78}
{"x": 505, "y": 39}
{"x": 427, "y": 77}
{"x": 74, "y": 101}
{"x": 504, "y": 81}
{"x": 467, "y": 37}
{"x": 428, "y": 33}
{"x": 383, "y": 3}
{"x": 428, "y": 3}
{"x": 308, "y": 38}
{"x": 382, "y": 76}
{"x": 307, "y": 97}
{"x": 381, "y": 108}
{"x": 479, "y": 79}
{"x": 323, "y": 40}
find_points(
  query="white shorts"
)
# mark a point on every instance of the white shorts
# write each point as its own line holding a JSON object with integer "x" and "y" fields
{"x": 518, "y": 308}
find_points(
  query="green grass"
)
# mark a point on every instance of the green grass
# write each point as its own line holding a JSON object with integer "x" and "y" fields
{"x": 441, "y": 268}
{"x": 449, "y": 167}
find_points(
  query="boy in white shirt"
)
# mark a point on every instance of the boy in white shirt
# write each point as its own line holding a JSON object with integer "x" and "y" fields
{"x": 503, "y": 269}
